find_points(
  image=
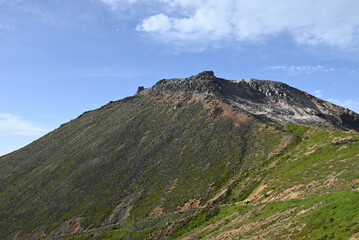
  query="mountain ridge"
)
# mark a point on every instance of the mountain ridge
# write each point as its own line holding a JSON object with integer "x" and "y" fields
{"x": 271, "y": 99}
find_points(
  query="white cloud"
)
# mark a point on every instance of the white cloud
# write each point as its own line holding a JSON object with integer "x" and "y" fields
{"x": 158, "y": 23}
{"x": 115, "y": 4}
{"x": 167, "y": 3}
{"x": 318, "y": 93}
{"x": 11, "y": 124}
{"x": 6, "y": 27}
{"x": 306, "y": 69}
{"x": 330, "y": 22}
{"x": 353, "y": 71}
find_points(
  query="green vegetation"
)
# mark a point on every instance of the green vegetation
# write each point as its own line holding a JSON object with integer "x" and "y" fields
{"x": 318, "y": 175}
{"x": 206, "y": 217}
{"x": 142, "y": 150}
{"x": 155, "y": 165}
{"x": 334, "y": 216}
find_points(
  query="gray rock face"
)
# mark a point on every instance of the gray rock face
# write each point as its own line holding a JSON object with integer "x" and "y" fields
{"x": 139, "y": 89}
{"x": 269, "y": 99}
{"x": 204, "y": 83}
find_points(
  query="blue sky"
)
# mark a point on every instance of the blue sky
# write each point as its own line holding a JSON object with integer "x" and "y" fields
{"x": 59, "y": 58}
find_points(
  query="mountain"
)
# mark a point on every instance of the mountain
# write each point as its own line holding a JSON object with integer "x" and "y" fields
{"x": 198, "y": 157}
{"x": 274, "y": 100}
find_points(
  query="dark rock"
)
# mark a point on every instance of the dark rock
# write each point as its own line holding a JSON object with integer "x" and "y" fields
{"x": 140, "y": 89}
{"x": 262, "y": 98}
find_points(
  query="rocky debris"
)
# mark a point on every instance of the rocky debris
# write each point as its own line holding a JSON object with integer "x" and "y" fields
{"x": 269, "y": 99}
{"x": 280, "y": 102}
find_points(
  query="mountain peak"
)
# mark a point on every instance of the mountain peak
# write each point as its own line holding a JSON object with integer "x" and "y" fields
{"x": 264, "y": 98}
{"x": 203, "y": 83}
{"x": 204, "y": 75}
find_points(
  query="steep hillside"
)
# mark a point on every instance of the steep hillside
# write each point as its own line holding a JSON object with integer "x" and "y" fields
{"x": 200, "y": 157}
{"x": 308, "y": 191}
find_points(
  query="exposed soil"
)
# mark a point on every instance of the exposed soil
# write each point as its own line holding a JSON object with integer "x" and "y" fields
{"x": 173, "y": 186}
{"x": 71, "y": 226}
{"x": 156, "y": 212}
{"x": 120, "y": 213}
{"x": 252, "y": 225}
{"x": 192, "y": 203}
{"x": 257, "y": 193}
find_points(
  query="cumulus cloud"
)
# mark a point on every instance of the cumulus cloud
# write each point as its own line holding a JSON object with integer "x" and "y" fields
{"x": 303, "y": 69}
{"x": 11, "y": 124}
{"x": 158, "y": 23}
{"x": 330, "y": 22}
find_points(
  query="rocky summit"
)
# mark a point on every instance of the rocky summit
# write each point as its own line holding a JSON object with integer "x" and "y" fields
{"x": 270, "y": 99}
{"x": 190, "y": 158}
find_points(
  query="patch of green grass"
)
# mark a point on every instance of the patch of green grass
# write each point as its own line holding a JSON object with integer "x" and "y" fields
{"x": 333, "y": 216}
{"x": 206, "y": 217}
{"x": 247, "y": 191}
{"x": 236, "y": 194}
{"x": 115, "y": 234}
{"x": 336, "y": 218}
{"x": 312, "y": 158}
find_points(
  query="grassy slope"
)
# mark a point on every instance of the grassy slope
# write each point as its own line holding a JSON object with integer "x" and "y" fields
{"x": 311, "y": 193}
{"x": 309, "y": 190}
{"x": 306, "y": 191}
{"x": 148, "y": 152}
{"x": 298, "y": 183}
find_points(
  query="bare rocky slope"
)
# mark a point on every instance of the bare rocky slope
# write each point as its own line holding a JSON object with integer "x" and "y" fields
{"x": 274, "y": 100}
{"x": 192, "y": 158}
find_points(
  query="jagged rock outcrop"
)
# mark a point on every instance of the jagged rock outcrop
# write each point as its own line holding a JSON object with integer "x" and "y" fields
{"x": 270, "y": 99}
{"x": 203, "y": 83}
